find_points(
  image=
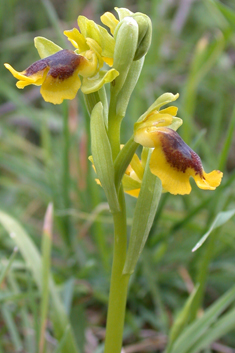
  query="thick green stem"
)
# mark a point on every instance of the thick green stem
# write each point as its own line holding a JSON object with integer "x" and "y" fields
{"x": 119, "y": 284}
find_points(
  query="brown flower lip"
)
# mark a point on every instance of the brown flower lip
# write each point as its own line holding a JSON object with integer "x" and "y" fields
{"x": 178, "y": 154}
{"x": 62, "y": 64}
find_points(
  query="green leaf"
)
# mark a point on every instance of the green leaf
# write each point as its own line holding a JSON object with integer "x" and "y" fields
{"x": 226, "y": 11}
{"x": 220, "y": 219}
{"x": 198, "y": 328}
{"x": 181, "y": 320}
{"x": 33, "y": 259}
{"x": 11, "y": 326}
{"x": 45, "y": 47}
{"x": 223, "y": 326}
{"x": 102, "y": 156}
{"x": 123, "y": 160}
{"x": 8, "y": 266}
{"x": 146, "y": 207}
{"x": 227, "y": 143}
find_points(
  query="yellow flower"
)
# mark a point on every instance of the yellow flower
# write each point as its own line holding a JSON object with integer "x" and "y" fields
{"x": 172, "y": 160}
{"x": 94, "y": 38}
{"x": 57, "y": 71}
{"x": 133, "y": 176}
{"x": 57, "y": 74}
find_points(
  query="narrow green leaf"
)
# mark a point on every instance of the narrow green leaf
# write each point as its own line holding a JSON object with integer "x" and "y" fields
{"x": 23, "y": 314}
{"x": 102, "y": 156}
{"x": 227, "y": 143}
{"x": 196, "y": 330}
{"x": 8, "y": 266}
{"x": 223, "y": 326}
{"x": 34, "y": 262}
{"x": 123, "y": 160}
{"x": 62, "y": 341}
{"x": 220, "y": 219}
{"x": 181, "y": 320}
{"x": 11, "y": 326}
{"x": 226, "y": 11}
{"x": 145, "y": 211}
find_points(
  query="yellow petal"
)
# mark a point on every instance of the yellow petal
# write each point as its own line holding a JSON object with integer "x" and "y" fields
{"x": 131, "y": 186}
{"x": 145, "y": 137}
{"x": 62, "y": 81}
{"x": 174, "y": 162}
{"x": 77, "y": 39}
{"x": 89, "y": 66}
{"x": 34, "y": 74}
{"x": 108, "y": 61}
{"x": 109, "y": 20}
{"x": 170, "y": 110}
{"x": 209, "y": 181}
{"x": 137, "y": 167}
{"x": 55, "y": 89}
{"x": 95, "y": 49}
{"x": 90, "y": 29}
{"x": 173, "y": 181}
{"x": 134, "y": 193}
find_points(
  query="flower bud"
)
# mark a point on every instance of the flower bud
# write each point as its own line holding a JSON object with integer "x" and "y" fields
{"x": 126, "y": 37}
{"x": 145, "y": 34}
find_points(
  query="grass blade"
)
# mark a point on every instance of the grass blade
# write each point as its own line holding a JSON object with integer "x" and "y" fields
{"x": 220, "y": 219}
{"x": 34, "y": 261}
{"x": 197, "y": 329}
{"x": 8, "y": 266}
{"x": 15, "y": 337}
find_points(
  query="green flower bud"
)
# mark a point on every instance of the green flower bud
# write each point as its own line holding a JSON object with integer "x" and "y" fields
{"x": 126, "y": 37}
{"x": 145, "y": 34}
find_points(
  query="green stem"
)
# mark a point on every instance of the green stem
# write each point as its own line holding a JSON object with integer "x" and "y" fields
{"x": 119, "y": 283}
{"x": 65, "y": 171}
{"x": 114, "y": 126}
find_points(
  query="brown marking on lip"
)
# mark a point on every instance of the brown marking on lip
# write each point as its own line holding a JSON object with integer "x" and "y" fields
{"x": 178, "y": 154}
{"x": 62, "y": 64}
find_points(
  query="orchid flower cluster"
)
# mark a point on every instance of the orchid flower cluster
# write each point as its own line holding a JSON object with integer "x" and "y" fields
{"x": 113, "y": 59}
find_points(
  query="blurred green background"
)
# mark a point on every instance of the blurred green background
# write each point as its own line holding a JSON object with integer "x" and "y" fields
{"x": 193, "y": 53}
